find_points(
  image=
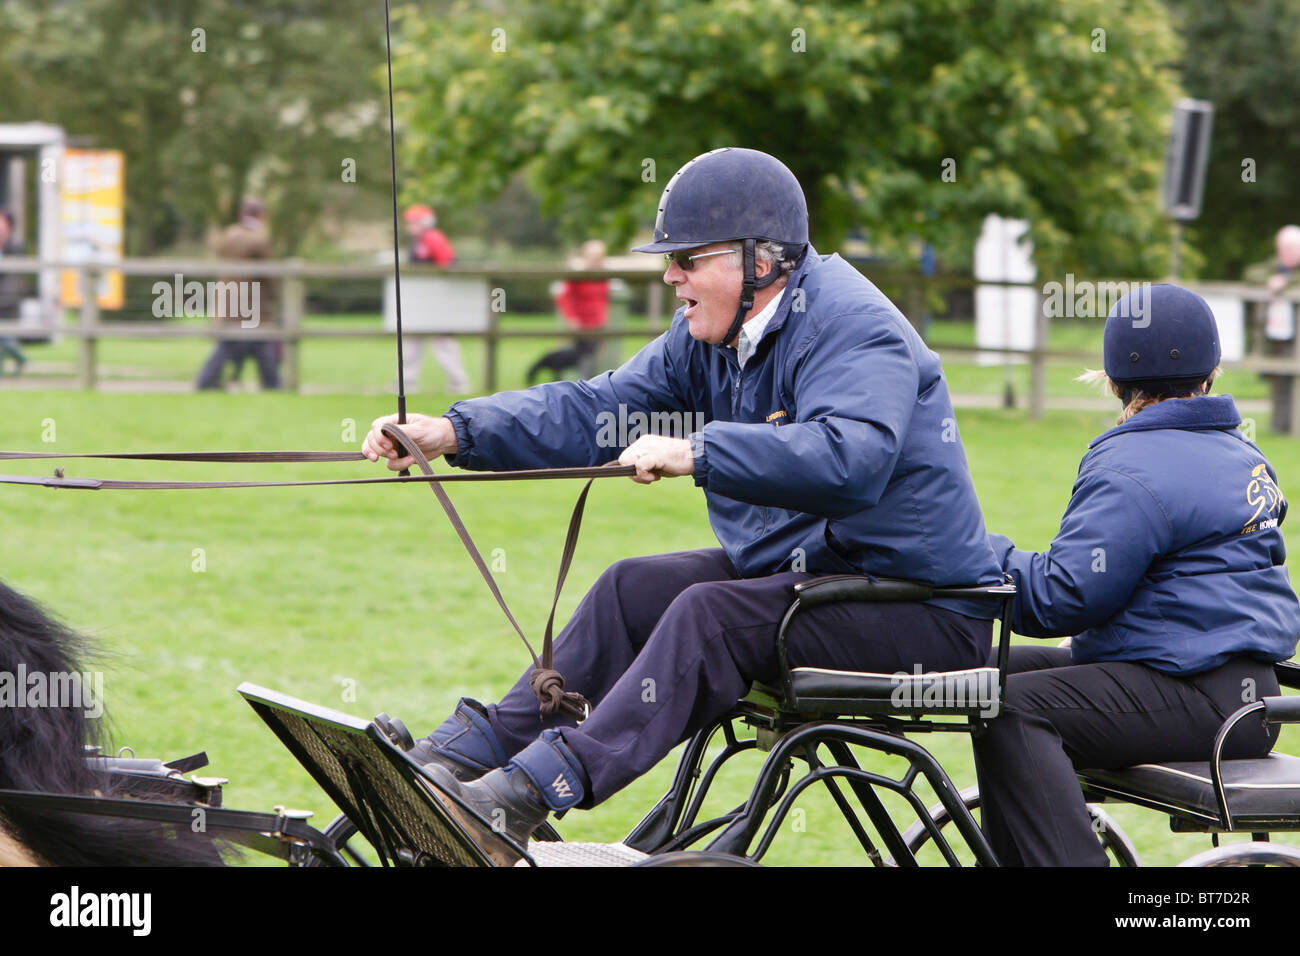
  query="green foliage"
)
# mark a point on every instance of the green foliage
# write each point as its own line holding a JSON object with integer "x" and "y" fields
{"x": 1245, "y": 59}
{"x": 863, "y": 101}
{"x": 269, "y": 98}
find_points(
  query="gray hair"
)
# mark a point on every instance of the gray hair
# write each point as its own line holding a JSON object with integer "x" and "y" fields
{"x": 781, "y": 258}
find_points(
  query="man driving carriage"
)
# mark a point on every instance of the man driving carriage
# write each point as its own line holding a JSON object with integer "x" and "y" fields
{"x": 829, "y": 445}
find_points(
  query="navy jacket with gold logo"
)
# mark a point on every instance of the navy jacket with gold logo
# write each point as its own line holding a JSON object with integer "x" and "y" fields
{"x": 834, "y": 450}
{"x": 1169, "y": 552}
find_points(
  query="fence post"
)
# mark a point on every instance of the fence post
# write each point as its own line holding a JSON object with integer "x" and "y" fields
{"x": 609, "y": 350}
{"x": 86, "y": 371}
{"x": 654, "y": 304}
{"x": 291, "y": 311}
{"x": 1293, "y": 426}
{"x": 490, "y": 351}
{"x": 1038, "y": 368}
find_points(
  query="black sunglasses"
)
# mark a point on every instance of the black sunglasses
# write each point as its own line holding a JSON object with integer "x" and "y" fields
{"x": 686, "y": 262}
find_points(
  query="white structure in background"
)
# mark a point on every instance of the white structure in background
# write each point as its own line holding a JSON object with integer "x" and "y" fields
{"x": 439, "y": 304}
{"x": 1005, "y": 316}
{"x": 1230, "y": 315}
{"x": 45, "y": 143}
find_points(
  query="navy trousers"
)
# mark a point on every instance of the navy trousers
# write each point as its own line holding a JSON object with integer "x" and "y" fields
{"x": 664, "y": 645}
{"x": 1060, "y": 716}
{"x": 236, "y": 350}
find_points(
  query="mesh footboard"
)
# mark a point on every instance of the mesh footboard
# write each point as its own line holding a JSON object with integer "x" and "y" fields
{"x": 394, "y": 806}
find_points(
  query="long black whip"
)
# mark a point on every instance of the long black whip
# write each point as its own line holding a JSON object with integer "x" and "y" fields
{"x": 397, "y": 261}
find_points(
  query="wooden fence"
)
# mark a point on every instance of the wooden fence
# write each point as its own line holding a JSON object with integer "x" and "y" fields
{"x": 292, "y": 274}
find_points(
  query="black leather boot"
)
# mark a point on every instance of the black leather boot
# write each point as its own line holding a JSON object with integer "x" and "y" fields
{"x": 506, "y": 800}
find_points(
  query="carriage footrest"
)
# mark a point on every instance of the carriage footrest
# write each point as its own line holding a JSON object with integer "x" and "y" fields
{"x": 583, "y": 854}
{"x": 393, "y": 803}
{"x": 1259, "y": 790}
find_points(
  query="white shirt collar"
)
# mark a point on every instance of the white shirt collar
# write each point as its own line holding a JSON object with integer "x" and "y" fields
{"x": 753, "y": 330}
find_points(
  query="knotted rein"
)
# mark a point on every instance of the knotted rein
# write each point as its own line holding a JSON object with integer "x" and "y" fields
{"x": 547, "y": 683}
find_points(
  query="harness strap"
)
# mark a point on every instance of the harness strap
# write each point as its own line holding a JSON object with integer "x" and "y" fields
{"x": 113, "y": 484}
{"x": 237, "y": 456}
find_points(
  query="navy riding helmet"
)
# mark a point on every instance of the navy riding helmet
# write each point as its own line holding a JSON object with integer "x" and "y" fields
{"x": 732, "y": 194}
{"x": 1161, "y": 340}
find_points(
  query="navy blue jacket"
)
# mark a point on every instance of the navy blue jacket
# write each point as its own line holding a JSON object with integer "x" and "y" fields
{"x": 1169, "y": 551}
{"x": 834, "y": 450}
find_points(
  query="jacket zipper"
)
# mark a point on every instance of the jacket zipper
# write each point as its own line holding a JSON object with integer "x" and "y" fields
{"x": 735, "y": 391}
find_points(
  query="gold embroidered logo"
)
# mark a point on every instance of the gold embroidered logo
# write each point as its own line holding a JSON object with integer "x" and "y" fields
{"x": 1263, "y": 494}
{"x": 779, "y": 413}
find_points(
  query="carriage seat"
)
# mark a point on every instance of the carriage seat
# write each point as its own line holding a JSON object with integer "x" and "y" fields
{"x": 1261, "y": 791}
{"x": 853, "y": 693}
{"x": 820, "y": 691}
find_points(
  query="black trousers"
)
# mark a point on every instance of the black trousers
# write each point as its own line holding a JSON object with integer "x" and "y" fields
{"x": 664, "y": 645}
{"x": 1061, "y": 716}
{"x": 233, "y": 350}
{"x": 579, "y": 355}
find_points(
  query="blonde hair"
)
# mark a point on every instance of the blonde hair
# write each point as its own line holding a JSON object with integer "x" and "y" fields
{"x": 1138, "y": 399}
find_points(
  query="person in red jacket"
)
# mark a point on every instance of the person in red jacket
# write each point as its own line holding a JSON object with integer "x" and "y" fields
{"x": 429, "y": 244}
{"x": 584, "y": 303}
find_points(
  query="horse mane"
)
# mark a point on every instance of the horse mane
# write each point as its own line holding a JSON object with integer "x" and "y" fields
{"x": 42, "y": 748}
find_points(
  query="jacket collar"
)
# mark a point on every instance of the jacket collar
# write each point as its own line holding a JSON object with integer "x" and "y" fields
{"x": 1204, "y": 413}
{"x": 810, "y": 256}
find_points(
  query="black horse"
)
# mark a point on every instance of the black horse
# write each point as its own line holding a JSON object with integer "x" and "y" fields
{"x": 42, "y": 748}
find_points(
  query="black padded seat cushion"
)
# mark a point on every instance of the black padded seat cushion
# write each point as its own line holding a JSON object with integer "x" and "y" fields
{"x": 1260, "y": 789}
{"x": 973, "y": 691}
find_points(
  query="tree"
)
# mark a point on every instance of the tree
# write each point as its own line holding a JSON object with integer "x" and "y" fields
{"x": 908, "y": 117}
{"x": 1244, "y": 57}
{"x": 210, "y": 99}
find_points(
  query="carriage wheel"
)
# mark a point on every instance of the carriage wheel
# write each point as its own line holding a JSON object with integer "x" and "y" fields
{"x": 1113, "y": 839}
{"x": 696, "y": 858}
{"x": 342, "y": 830}
{"x": 1247, "y": 854}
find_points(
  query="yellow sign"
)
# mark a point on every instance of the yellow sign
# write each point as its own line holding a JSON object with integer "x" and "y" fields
{"x": 94, "y": 185}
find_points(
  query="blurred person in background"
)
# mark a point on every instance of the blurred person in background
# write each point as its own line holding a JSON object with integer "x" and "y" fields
{"x": 584, "y": 303}
{"x": 11, "y": 292}
{"x": 430, "y": 245}
{"x": 246, "y": 239}
{"x": 1280, "y": 275}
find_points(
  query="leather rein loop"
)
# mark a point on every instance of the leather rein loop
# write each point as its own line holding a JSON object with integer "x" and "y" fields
{"x": 547, "y": 683}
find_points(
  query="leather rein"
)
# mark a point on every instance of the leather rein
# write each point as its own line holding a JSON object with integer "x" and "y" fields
{"x": 547, "y": 683}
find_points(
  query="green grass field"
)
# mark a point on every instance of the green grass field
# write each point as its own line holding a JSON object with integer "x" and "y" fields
{"x": 361, "y": 598}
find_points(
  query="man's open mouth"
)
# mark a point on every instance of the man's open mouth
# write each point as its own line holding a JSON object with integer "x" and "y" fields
{"x": 690, "y": 305}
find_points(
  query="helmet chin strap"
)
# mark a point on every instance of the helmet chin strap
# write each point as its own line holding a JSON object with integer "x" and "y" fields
{"x": 748, "y": 286}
